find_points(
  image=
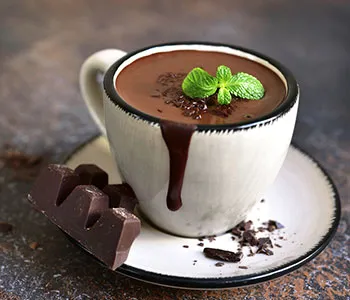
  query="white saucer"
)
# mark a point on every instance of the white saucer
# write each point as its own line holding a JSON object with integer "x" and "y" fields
{"x": 303, "y": 199}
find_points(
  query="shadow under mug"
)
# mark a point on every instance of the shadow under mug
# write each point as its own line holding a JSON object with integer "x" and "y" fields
{"x": 229, "y": 167}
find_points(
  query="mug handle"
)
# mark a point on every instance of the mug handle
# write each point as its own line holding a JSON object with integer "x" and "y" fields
{"x": 90, "y": 88}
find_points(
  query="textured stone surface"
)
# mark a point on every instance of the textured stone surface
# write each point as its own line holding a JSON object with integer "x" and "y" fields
{"x": 42, "y": 45}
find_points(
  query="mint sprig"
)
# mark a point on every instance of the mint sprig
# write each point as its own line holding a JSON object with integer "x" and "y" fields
{"x": 200, "y": 84}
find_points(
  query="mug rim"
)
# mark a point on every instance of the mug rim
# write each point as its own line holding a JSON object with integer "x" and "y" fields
{"x": 292, "y": 89}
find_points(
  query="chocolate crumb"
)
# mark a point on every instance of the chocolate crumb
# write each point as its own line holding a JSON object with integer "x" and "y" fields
{"x": 243, "y": 267}
{"x": 278, "y": 245}
{"x": 251, "y": 253}
{"x": 244, "y": 226}
{"x": 195, "y": 261}
{"x": 219, "y": 264}
{"x": 233, "y": 238}
{"x": 281, "y": 237}
{"x": 185, "y": 246}
{"x": 262, "y": 200}
{"x": 222, "y": 255}
{"x": 248, "y": 116}
{"x": 34, "y": 245}
{"x": 265, "y": 242}
{"x": 273, "y": 225}
{"x": 155, "y": 95}
{"x": 264, "y": 250}
{"x": 235, "y": 231}
{"x": 160, "y": 110}
{"x": 5, "y": 227}
{"x": 211, "y": 238}
{"x": 200, "y": 244}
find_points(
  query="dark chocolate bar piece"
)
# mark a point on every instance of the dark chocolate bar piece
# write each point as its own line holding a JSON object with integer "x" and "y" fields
{"x": 121, "y": 195}
{"x": 53, "y": 186}
{"x": 84, "y": 211}
{"x": 92, "y": 174}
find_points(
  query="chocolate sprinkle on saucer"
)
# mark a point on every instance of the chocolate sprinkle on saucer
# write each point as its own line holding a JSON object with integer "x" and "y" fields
{"x": 219, "y": 264}
{"x": 185, "y": 246}
{"x": 211, "y": 238}
{"x": 243, "y": 267}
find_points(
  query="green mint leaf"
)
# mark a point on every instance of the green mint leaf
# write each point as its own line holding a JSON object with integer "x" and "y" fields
{"x": 199, "y": 84}
{"x": 224, "y": 75}
{"x": 224, "y": 96}
{"x": 245, "y": 86}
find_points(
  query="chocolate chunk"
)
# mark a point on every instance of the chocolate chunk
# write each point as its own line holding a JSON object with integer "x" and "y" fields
{"x": 92, "y": 174}
{"x": 235, "y": 231}
{"x": 53, "y": 186}
{"x": 261, "y": 229}
{"x": 85, "y": 215}
{"x": 219, "y": 264}
{"x": 5, "y": 227}
{"x": 244, "y": 226}
{"x": 222, "y": 255}
{"x": 249, "y": 238}
{"x": 265, "y": 241}
{"x": 264, "y": 250}
{"x": 121, "y": 195}
{"x": 273, "y": 225}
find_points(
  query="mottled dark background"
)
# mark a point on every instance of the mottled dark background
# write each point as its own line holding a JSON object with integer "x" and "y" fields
{"x": 42, "y": 45}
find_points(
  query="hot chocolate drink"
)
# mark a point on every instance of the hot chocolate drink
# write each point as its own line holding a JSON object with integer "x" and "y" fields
{"x": 153, "y": 85}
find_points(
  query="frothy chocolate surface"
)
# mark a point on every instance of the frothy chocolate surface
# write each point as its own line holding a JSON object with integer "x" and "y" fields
{"x": 153, "y": 85}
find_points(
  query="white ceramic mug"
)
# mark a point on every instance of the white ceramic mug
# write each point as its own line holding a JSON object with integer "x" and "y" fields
{"x": 218, "y": 190}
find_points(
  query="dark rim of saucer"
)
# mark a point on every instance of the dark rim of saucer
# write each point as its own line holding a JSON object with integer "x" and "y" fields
{"x": 234, "y": 281}
{"x": 288, "y": 103}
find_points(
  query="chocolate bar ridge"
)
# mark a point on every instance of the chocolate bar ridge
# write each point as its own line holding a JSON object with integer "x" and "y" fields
{"x": 81, "y": 209}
